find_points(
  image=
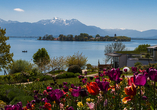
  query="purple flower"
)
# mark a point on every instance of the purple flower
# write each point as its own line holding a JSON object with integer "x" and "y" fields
{"x": 60, "y": 86}
{"x": 101, "y": 74}
{"x": 36, "y": 91}
{"x": 64, "y": 83}
{"x": 104, "y": 69}
{"x": 97, "y": 80}
{"x": 134, "y": 69}
{"x": 83, "y": 93}
{"x": 28, "y": 105}
{"x": 144, "y": 98}
{"x": 114, "y": 74}
{"x": 125, "y": 70}
{"x": 70, "y": 108}
{"x": 91, "y": 77}
{"x": 140, "y": 80}
{"x": 79, "y": 76}
{"x": 103, "y": 85}
{"x": 72, "y": 85}
{"x": 85, "y": 72}
{"x": 135, "y": 73}
{"x": 33, "y": 101}
{"x": 83, "y": 81}
{"x": 153, "y": 74}
{"x": 105, "y": 102}
{"x": 8, "y": 107}
{"x": 75, "y": 92}
{"x": 55, "y": 95}
{"x": 66, "y": 88}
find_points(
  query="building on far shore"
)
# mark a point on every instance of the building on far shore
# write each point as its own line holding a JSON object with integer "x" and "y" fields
{"x": 129, "y": 58}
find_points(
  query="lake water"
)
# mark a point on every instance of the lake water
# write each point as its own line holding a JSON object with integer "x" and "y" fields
{"x": 94, "y": 50}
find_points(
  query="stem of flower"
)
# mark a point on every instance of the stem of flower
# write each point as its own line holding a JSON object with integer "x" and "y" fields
{"x": 154, "y": 94}
{"x": 140, "y": 99}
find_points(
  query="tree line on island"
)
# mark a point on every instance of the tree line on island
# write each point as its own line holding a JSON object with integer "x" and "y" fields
{"x": 85, "y": 37}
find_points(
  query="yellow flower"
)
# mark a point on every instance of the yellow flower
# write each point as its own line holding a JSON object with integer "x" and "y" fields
{"x": 80, "y": 104}
{"x": 84, "y": 86}
{"x": 89, "y": 99}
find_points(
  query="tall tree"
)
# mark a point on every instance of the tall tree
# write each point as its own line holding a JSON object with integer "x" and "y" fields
{"x": 111, "y": 48}
{"x": 5, "y": 55}
{"x": 41, "y": 58}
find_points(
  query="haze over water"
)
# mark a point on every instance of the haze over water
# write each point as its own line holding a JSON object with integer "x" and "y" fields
{"x": 94, "y": 50}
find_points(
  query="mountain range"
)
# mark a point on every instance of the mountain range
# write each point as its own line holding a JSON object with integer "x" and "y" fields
{"x": 58, "y": 26}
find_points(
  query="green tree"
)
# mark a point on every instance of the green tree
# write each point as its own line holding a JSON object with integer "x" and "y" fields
{"x": 41, "y": 58}
{"x": 76, "y": 59}
{"x": 5, "y": 55}
{"x": 142, "y": 48}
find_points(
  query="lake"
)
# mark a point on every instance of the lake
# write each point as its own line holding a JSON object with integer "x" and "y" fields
{"x": 94, "y": 50}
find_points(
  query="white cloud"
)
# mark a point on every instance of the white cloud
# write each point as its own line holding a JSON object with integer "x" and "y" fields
{"x": 18, "y": 9}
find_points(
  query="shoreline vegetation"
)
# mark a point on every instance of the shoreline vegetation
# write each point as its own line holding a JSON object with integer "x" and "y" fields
{"x": 84, "y": 37}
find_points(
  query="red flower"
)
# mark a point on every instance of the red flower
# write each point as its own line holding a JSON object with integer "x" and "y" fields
{"x": 47, "y": 106}
{"x": 130, "y": 81}
{"x": 93, "y": 88}
{"x": 131, "y": 91}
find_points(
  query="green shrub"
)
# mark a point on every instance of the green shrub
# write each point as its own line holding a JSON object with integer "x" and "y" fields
{"x": 67, "y": 75}
{"x": 137, "y": 64}
{"x": 20, "y": 65}
{"x": 22, "y": 99}
{"x": 75, "y": 69}
{"x": 45, "y": 77}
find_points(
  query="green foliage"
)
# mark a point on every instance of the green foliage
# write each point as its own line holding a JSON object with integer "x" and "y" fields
{"x": 75, "y": 69}
{"x": 46, "y": 37}
{"x": 22, "y": 99}
{"x": 67, "y": 75}
{"x": 20, "y": 65}
{"x": 142, "y": 48}
{"x": 41, "y": 58}
{"x": 45, "y": 77}
{"x": 76, "y": 59}
{"x": 137, "y": 64}
{"x": 89, "y": 66}
{"x": 5, "y": 56}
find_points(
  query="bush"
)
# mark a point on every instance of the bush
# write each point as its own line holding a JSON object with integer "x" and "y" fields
{"x": 67, "y": 75}
{"x": 75, "y": 69}
{"x": 20, "y": 65}
{"x": 57, "y": 71}
{"x": 45, "y": 77}
{"x": 138, "y": 64}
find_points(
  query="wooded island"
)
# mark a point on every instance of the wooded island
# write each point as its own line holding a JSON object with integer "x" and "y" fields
{"x": 85, "y": 37}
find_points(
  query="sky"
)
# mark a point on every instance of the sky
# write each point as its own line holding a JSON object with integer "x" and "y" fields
{"x": 139, "y": 15}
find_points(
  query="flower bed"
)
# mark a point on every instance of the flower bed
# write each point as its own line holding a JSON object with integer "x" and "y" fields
{"x": 109, "y": 91}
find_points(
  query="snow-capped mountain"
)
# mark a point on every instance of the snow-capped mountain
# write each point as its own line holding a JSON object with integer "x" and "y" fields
{"x": 58, "y": 26}
{"x": 58, "y": 21}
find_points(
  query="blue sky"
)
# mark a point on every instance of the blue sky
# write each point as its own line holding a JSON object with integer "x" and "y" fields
{"x": 106, "y": 14}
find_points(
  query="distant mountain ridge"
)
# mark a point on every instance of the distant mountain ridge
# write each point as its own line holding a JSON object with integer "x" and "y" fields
{"x": 58, "y": 26}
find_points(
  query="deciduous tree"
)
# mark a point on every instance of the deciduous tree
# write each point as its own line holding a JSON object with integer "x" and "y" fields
{"x": 41, "y": 58}
{"x": 113, "y": 47}
{"x": 5, "y": 55}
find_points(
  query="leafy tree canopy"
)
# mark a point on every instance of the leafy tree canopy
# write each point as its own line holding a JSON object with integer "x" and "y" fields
{"x": 76, "y": 59}
{"x": 41, "y": 57}
{"x": 5, "y": 55}
{"x": 142, "y": 48}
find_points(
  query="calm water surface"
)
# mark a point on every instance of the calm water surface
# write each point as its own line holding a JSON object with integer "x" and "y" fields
{"x": 94, "y": 50}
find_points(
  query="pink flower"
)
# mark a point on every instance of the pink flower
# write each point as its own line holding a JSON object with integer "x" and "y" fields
{"x": 45, "y": 92}
{"x": 90, "y": 105}
{"x": 61, "y": 106}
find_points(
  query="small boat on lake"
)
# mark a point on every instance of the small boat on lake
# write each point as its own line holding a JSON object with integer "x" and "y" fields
{"x": 24, "y": 51}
